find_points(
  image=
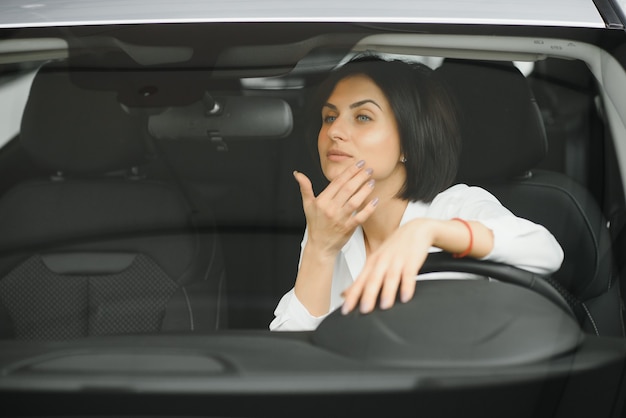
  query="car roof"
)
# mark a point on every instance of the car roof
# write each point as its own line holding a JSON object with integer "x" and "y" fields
{"x": 52, "y": 13}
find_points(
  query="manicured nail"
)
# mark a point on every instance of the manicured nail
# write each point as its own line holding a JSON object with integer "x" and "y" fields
{"x": 375, "y": 201}
{"x": 369, "y": 171}
{"x": 385, "y": 303}
{"x": 360, "y": 164}
{"x": 344, "y": 310}
{"x": 295, "y": 173}
{"x": 404, "y": 297}
{"x": 371, "y": 183}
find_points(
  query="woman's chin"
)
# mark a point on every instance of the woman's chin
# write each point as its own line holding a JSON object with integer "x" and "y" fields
{"x": 332, "y": 169}
{"x": 332, "y": 172}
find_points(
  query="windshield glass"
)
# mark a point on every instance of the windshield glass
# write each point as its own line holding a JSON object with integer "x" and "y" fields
{"x": 221, "y": 199}
{"x": 195, "y": 145}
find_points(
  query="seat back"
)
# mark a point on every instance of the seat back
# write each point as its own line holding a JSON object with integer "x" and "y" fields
{"x": 97, "y": 248}
{"x": 503, "y": 141}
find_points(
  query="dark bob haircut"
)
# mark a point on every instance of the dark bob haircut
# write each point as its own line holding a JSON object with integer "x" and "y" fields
{"x": 425, "y": 116}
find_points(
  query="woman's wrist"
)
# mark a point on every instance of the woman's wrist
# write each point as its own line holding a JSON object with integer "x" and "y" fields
{"x": 319, "y": 253}
{"x": 314, "y": 279}
{"x": 428, "y": 229}
{"x": 464, "y": 238}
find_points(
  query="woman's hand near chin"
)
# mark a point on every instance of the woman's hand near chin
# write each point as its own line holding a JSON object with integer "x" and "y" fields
{"x": 334, "y": 214}
{"x": 331, "y": 218}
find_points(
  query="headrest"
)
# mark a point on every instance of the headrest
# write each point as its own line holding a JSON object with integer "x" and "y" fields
{"x": 501, "y": 127}
{"x": 74, "y": 130}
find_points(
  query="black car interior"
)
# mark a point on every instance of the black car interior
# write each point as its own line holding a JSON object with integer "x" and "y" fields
{"x": 504, "y": 142}
{"x": 174, "y": 210}
{"x": 97, "y": 247}
{"x": 150, "y": 223}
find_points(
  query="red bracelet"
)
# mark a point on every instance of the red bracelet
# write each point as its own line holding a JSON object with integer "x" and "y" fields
{"x": 471, "y": 239}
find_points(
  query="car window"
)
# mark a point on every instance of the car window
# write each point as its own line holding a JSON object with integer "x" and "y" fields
{"x": 226, "y": 140}
{"x": 15, "y": 92}
{"x": 154, "y": 220}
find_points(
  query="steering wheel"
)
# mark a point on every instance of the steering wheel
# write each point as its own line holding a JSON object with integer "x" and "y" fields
{"x": 518, "y": 317}
{"x": 442, "y": 261}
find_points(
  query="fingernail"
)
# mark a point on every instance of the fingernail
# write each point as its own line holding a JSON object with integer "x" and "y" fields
{"x": 369, "y": 171}
{"x": 385, "y": 303}
{"x": 360, "y": 164}
{"x": 371, "y": 183}
{"x": 364, "y": 308}
{"x": 345, "y": 310}
{"x": 404, "y": 297}
{"x": 295, "y": 173}
{"x": 375, "y": 201}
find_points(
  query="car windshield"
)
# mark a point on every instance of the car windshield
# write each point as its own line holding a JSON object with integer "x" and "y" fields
{"x": 156, "y": 216}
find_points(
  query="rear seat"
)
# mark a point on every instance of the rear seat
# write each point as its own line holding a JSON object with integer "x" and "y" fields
{"x": 96, "y": 248}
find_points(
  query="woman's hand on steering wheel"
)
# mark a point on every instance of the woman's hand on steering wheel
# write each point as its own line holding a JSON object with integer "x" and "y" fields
{"x": 392, "y": 268}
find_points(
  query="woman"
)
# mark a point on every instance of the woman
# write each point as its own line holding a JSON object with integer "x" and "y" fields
{"x": 389, "y": 144}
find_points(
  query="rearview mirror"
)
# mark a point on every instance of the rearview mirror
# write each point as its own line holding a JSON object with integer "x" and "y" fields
{"x": 228, "y": 117}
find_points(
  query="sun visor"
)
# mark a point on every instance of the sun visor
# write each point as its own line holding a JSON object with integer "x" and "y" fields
{"x": 226, "y": 117}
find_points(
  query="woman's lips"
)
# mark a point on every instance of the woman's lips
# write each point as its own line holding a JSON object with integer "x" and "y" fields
{"x": 337, "y": 156}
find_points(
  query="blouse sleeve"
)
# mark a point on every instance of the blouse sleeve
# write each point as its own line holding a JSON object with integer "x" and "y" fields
{"x": 517, "y": 241}
{"x": 291, "y": 315}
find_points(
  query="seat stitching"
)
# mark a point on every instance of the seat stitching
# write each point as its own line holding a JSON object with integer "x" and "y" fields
{"x": 591, "y": 319}
{"x": 212, "y": 259}
{"x": 191, "y": 322}
{"x": 218, "y": 317}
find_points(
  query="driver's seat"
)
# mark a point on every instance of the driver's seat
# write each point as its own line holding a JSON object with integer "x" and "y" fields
{"x": 503, "y": 141}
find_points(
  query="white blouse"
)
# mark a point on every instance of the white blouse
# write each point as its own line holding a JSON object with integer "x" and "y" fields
{"x": 517, "y": 242}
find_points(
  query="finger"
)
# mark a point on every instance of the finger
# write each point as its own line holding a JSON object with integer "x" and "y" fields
{"x": 338, "y": 182}
{"x": 306, "y": 187}
{"x": 371, "y": 289}
{"x": 351, "y": 296}
{"x": 358, "y": 197}
{"x": 359, "y": 181}
{"x": 409, "y": 273}
{"x": 390, "y": 286}
{"x": 408, "y": 284}
{"x": 362, "y": 215}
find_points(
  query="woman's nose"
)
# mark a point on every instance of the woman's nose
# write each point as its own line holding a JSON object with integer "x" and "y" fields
{"x": 337, "y": 131}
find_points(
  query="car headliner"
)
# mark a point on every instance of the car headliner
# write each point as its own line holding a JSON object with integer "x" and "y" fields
{"x": 49, "y": 13}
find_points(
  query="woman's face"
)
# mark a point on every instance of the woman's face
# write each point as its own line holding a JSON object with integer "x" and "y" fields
{"x": 358, "y": 124}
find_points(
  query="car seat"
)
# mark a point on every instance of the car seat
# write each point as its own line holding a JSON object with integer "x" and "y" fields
{"x": 503, "y": 141}
{"x": 97, "y": 248}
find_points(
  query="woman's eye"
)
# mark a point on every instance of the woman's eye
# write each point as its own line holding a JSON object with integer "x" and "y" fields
{"x": 329, "y": 119}
{"x": 363, "y": 118}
